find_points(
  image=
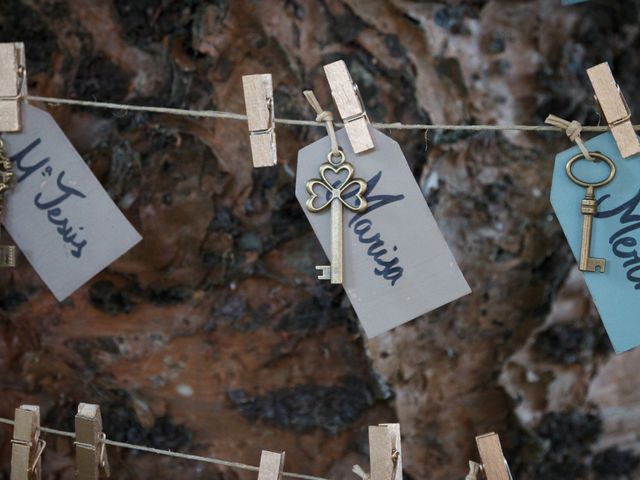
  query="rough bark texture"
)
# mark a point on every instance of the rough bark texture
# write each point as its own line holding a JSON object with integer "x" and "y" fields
{"x": 213, "y": 337}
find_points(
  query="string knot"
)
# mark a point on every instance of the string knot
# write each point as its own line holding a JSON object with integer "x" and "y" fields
{"x": 474, "y": 471}
{"x": 325, "y": 116}
{"x": 573, "y": 130}
{"x": 359, "y": 471}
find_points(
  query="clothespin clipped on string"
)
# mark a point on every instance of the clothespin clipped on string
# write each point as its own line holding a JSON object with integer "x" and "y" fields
{"x": 350, "y": 106}
{"x": 91, "y": 452}
{"x": 385, "y": 453}
{"x": 271, "y": 465}
{"x": 258, "y": 99}
{"x": 13, "y": 85}
{"x": 494, "y": 464}
{"x": 27, "y": 447}
{"x": 615, "y": 109}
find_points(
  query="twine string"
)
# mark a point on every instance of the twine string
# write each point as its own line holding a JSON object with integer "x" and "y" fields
{"x": 289, "y": 121}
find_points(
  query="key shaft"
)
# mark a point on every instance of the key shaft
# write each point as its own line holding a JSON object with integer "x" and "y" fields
{"x": 588, "y": 208}
{"x": 336, "y": 241}
{"x": 333, "y": 272}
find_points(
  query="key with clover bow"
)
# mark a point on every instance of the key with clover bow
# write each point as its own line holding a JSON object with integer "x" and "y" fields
{"x": 336, "y": 187}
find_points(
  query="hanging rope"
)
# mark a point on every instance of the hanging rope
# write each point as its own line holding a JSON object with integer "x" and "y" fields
{"x": 289, "y": 121}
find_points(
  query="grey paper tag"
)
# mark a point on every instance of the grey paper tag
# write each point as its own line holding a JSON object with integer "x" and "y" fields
{"x": 397, "y": 266}
{"x": 59, "y": 215}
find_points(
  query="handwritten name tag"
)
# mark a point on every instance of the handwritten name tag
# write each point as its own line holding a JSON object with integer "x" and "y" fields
{"x": 59, "y": 215}
{"x": 397, "y": 265}
{"x": 615, "y": 235}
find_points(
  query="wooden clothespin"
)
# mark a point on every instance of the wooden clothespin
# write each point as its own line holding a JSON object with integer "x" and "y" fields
{"x": 385, "y": 454}
{"x": 347, "y": 98}
{"x": 91, "y": 452}
{"x": 271, "y": 465}
{"x": 258, "y": 99}
{"x": 27, "y": 447}
{"x": 13, "y": 85}
{"x": 614, "y": 108}
{"x": 493, "y": 462}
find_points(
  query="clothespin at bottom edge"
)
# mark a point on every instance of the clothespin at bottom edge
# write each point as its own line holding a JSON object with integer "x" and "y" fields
{"x": 494, "y": 464}
{"x": 27, "y": 447}
{"x": 385, "y": 452}
{"x": 13, "y": 85}
{"x": 91, "y": 452}
{"x": 271, "y": 465}
{"x": 258, "y": 99}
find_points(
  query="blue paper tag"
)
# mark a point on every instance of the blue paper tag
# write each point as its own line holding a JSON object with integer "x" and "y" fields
{"x": 615, "y": 234}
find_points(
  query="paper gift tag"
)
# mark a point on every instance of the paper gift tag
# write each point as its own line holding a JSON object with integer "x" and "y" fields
{"x": 58, "y": 214}
{"x": 397, "y": 265}
{"x": 614, "y": 235}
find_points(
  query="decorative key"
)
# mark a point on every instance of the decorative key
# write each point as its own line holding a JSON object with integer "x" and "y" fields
{"x": 341, "y": 191}
{"x": 588, "y": 208}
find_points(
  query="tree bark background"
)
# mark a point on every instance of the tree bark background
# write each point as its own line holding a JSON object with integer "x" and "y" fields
{"x": 213, "y": 337}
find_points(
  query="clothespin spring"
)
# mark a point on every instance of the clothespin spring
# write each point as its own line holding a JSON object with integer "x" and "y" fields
{"x": 41, "y": 446}
{"x": 362, "y": 114}
{"x": 506, "y": 465}
{"x": 102, "y": 445}
{"x": 271, "y": 124}
{"x": 395, "y": 455}
{"x": 20, "y": 72}
{"x": 620, "y": 120}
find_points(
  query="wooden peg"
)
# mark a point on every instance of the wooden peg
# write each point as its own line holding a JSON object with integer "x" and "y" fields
{"x": 493, "y": 462}
{"x": 258, "y": 99}
{"x": 27, "y": 447}
{"x": 614, "y": 108}
{"x": 271, "y": 465}
{"x": 13, "y": 85}
{"x": 347, "y": 98}
{"x": 91, "y": 452}
{"x": 385, "y": 453}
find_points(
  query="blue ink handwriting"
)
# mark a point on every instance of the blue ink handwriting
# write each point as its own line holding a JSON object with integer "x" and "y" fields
{"x": 52, "y": 206}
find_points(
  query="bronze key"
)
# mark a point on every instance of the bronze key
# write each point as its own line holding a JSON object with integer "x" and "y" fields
{"x": 335, "y": 195}
{"x": 588, "y": 208}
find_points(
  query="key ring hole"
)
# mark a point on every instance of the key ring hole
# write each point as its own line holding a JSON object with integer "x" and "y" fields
{"x": 339, "y": 155}
{"x": 598, "y": 157}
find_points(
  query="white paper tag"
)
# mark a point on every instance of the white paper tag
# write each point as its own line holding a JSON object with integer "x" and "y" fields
{"x": 58, "y": 214}
{"x": 397, "y": 265}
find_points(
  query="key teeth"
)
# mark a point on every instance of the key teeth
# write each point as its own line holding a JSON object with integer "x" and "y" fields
{"x": 7, "y": 256}
{"x": 324, "y": 272}
{"x": 596, "y": 265}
